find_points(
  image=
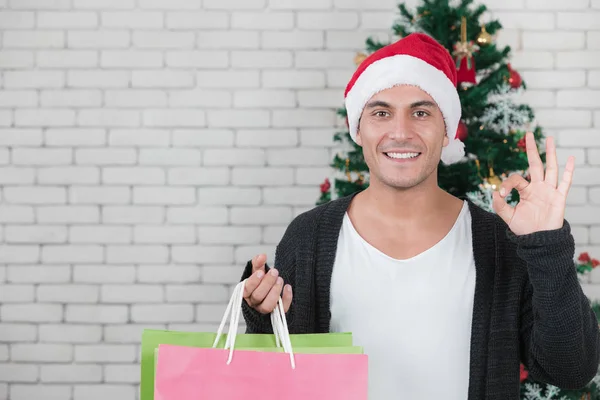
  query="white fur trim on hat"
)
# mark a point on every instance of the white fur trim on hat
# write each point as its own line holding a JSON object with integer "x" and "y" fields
{"x": 408, "y": 70}
{"x": 453, "y": 152}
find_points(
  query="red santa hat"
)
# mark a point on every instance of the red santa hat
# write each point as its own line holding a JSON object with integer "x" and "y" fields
{"x": 417, "y": 60}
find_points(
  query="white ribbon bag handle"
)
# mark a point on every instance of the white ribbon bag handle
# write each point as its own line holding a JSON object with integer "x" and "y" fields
{"x": 278, "y": 321}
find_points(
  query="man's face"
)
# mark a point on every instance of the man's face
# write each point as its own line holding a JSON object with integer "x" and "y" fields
{"x": 402, "y": 133}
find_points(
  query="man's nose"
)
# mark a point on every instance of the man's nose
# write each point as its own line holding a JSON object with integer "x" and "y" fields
{"x": 400, "y": 128}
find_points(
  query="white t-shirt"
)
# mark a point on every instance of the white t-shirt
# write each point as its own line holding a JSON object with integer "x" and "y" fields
{"x": 412, "y": 317}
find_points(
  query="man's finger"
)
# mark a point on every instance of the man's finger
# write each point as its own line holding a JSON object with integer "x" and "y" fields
{"x": 515, "y": 181}
{"x": 565, "y": 184}
{"x": 551, "y": 163}
{"x": 258, "y": 262}
{"x": 501, "y": 208}
{"x": 536, "y": 168}
{"x": 252, "y": 283}
{"x": 258, "y": 271}
{"x": 287, "y": 297}
{"x": 259, "y": 294}
{"x": 270, "y": 301}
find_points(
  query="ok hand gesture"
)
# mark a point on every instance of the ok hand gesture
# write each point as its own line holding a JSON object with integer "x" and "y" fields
{"x": 542, "y": 201}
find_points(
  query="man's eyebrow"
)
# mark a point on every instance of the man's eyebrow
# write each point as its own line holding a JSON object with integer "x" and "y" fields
{"x": 384, "y": 104}
{"x": 423, "y": 103}
{"x": 378, "y": 103}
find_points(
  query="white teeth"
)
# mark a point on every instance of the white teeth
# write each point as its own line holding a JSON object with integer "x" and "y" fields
{"x": 402, "y": 155}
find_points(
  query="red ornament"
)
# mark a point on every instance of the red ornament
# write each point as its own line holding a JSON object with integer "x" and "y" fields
{"x": 325, "y": 186}
{"x": 522, "y": 144}
{"x": 462, "y": 131}
{"x": 584, "y": 258}
{"x": 524, "y": 374}
{"x": 463, "y": 56}
{"x": 464, "y": 73}
{"x": 515, "y": 79}
{"x": 595, "y": 263}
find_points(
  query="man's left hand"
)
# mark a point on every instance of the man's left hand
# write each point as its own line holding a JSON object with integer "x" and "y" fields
{"x": 542, "y": 201}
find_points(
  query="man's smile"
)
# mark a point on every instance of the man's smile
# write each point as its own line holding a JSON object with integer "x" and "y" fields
{"x": 402, "y": 156}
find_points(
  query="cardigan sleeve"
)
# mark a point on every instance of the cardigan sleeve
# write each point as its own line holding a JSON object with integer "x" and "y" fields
{"x": 560, "y": 340}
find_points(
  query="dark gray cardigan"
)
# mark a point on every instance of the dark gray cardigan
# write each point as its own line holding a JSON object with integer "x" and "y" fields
{"x": 528, "y": 306}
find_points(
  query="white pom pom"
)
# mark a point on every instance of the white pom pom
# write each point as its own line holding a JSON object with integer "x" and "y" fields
{"x": 454, "y": 152}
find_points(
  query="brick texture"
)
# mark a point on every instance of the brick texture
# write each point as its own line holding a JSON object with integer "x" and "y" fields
{"x": 148, "y": 148}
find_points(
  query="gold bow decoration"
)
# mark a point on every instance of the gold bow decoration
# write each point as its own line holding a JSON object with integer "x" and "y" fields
{"x": 464, "y": 48}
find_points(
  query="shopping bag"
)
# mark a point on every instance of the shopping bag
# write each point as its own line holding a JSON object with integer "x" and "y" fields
{"x": 302, "y": 350}
{"x": 307, "y": 343}
{"x": 184, "y": 373}
{"x": 328, "y": 343}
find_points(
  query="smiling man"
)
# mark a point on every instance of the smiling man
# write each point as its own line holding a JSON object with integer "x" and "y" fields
{"x": 445, "y": 298}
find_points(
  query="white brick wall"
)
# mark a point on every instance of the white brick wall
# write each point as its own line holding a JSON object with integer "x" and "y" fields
{"x": 148, "y": 148}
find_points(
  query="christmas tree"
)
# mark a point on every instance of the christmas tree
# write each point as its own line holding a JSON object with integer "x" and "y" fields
{"x": 493, "y": 127}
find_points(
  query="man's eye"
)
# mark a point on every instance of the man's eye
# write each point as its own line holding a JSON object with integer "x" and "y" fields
{"x": 382, "y": 113}
{"x": 421, "y": 114}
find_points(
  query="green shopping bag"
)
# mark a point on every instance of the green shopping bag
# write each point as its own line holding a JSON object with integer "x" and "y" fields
{"x": 322, "y": 343}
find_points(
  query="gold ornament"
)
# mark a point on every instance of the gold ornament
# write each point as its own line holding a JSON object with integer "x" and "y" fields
{"x": 483, "y": 38}
{"x": 348, "y": 175}
{"x": 494, "y": 180}
{"x": 359, "y": 58}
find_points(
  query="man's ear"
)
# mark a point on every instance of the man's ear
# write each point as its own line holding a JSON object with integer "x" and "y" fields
{"x": 358, "y": 136}
{"x": 446, "y": 140}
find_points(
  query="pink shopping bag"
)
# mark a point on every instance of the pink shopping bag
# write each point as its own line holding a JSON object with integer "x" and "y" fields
{"x": 185, "y": 373}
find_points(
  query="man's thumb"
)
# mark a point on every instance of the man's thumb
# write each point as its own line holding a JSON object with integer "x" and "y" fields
{"x": 287, "y": 297}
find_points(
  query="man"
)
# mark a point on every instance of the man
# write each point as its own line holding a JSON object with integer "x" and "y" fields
{"x": 445, "y": 298}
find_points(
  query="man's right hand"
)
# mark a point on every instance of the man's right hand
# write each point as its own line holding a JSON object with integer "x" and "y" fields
{"x": 262, "y": 290}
